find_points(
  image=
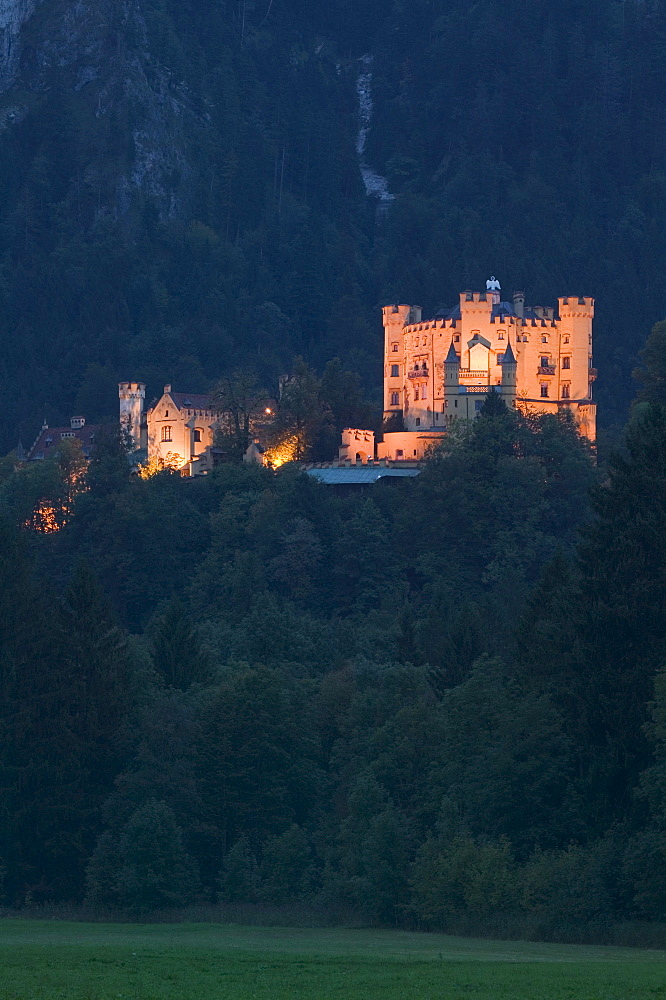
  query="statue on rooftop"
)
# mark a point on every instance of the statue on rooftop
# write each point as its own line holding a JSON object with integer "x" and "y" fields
{"x": 493, "y": 285}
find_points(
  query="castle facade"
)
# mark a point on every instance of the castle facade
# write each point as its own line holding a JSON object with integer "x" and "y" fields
{"x": 538, "y": 358}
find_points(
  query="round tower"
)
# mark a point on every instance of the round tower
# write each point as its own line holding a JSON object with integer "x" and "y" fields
{"x": 509, "y": 376}
{"x": 132, "y": 397}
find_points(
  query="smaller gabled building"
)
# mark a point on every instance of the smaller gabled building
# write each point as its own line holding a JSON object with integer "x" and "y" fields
{"x": 177, "y": 431}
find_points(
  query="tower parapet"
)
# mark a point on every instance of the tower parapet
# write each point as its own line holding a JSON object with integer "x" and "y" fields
{"x": 132, "y": 396}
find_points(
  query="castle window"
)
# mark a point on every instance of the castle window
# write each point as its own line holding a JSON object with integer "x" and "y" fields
{"x": 424, "y": 392}
{"x": 456, "y": 339}
{"x": 418, "y": 421}
{"x": 566, "y": 340}
{"x": 566, "y": 362}
{"x": 425, "y": 341}
{"x": 544, "y": 340}
{"x": 166, "y": 433}
{"x": 545, "y": 361}
{"x": 500, "y": 335}
{"x": 566, "y": 391}
{"x": 544, "y": 390}
{"x": 395, "y": 399}
{"x": 395, "y": 371}
{"x": 394, "y": 348}
{"x": 455, "y": 402}
{"x": 166, "y": 413}
{"x": 399, "y": 453}
{"x": 197, "y": 435}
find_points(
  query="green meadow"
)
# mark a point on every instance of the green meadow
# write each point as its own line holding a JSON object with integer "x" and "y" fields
{"x": 73, "y": 961}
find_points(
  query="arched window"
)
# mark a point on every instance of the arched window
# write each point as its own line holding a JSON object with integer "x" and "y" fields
{"x": 566, "y": 391}
{"x": 166, "y": 433}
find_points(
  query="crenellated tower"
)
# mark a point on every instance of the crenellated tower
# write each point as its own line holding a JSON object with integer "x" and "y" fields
{"x": 132, "y": 397}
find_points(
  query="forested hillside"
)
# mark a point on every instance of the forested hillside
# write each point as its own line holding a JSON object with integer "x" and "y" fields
{"x": 182, "y": 188}
{"x": 426, "y": 704}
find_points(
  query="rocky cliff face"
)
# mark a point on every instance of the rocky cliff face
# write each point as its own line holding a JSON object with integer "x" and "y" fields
{"x": 97, "y": 53}
{"x": 13, "y": 16}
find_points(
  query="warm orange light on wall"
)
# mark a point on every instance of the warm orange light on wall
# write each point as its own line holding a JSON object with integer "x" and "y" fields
{"x": 172, "y": 463}
{"x": 282, "y": 452}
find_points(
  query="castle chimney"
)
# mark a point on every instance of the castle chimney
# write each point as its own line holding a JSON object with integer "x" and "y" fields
{"x": 519, "y": 304}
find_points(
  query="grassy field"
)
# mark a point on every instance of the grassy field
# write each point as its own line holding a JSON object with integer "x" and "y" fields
{"x": 68, "y": 961}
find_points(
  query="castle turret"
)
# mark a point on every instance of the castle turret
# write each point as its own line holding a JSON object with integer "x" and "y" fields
{"x": 509, "y": 376}
{"x": 395, "y": 319}
{"x": 451, "y": 383}
{"x": 132, "y": 397}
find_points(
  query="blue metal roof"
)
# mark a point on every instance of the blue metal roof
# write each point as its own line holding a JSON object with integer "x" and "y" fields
{"x": 359, "y": 475}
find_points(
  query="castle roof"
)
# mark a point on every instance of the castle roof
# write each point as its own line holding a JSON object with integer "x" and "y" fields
{"x": 508, "y": 358}
{"x": 360, "y": 475}
{"x": 192, "y": 401}
{"x": 499, "y": 311}
{"x": 452, "y": 357}
{"x": 50, "y": 438}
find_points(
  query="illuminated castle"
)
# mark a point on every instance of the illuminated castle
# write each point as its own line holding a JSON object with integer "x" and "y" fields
{"x": 536, "y": 357}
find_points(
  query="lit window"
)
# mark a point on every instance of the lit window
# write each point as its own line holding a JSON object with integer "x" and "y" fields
{"x": 566, "y": 362}
{"x": 197, "y": 435}
{"x": 395, "y": 399}
{"x": 544, "y": 390}
{"x": 566, "y": 391}
{"x": 395, "y": 371}
{"x": 166, "y": 433}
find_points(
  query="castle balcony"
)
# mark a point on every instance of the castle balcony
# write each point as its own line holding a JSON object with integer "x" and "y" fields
{"x": 592, "y": 374}
{"x": 473, "y": 373}
{"x": 419, "y": 373}
{"x": 546, "y": 369}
